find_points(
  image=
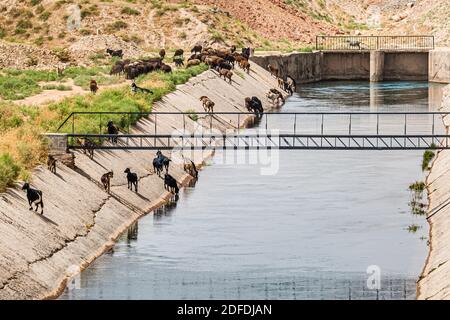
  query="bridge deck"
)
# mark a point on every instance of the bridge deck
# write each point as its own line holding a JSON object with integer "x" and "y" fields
{"x": 300, "y": 130}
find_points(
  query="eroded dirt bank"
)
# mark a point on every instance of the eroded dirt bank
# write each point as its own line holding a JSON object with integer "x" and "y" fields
{"x": 81, "y": 221}
{"x": 434, "y": 282}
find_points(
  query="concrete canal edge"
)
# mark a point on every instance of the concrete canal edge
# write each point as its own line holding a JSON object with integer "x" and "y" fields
{"x": 434, "y": 282}
{"x": 38, "y": 254}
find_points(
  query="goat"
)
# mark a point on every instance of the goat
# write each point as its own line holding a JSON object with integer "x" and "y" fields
{"x": 193, "y": 62}
{"x": 87, "y": 146}
{"x": 166, "y": 68}
{"x": 113, "y": 130}
{"x": 162, "y": 54}
{"x": 93, "y": 86}
{"x": 230, "y": 59}
{"x": 224, "y": 65}
{"x": 281, "y": 83}
{"x": 178, "y": 61}
{"x": 196, "y": 49}
{"x": 354, "y": 43}
{"x": 160, "y": 162}
{"x": 132, "y": 179}
{"x": 170, "y": 184}
{"x": 226, "y": 74}
{"x": 115, "y": 53}
{"x": 106, "y": 180}
{"x": 273, "y": 70}
{"x": 191, "y": 169}
{"x": 34, "y": 197}
{"x": 255, "y": 105}
{"x": 244, "y": 64}
{"x": 135, "y": 89}
{"x": 275, "y": 96}
{"x": 290, "y": 85}
{"x": 196, "y": 56}
{"x": 208, "y": 104}
{"x": 157, "y": 166}
{"x": 178, "y": 53}
{"x": 51, "y": 164}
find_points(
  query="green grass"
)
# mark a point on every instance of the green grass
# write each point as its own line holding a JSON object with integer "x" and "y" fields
{"x": 19, "y": 84}
{"x": 428, "y": 156}
{"x": 22, "y": 146}
{"x": 192, "y": 114}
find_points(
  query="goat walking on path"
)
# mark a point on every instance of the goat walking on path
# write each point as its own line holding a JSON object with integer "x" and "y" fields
{"x": 106, "y": 180}
{"x": 34, "y": 197}
{"x": 132, "y": 179}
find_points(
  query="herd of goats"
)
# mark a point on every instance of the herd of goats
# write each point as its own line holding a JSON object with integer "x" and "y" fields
{"x": 222, "y": 61}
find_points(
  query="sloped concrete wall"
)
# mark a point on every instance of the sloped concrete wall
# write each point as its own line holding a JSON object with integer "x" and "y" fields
{"x": 439, "y": 65}
{"x": 434, "y": 282}
{"x": 81, "y": 220}
{"x": 304, "y": 67}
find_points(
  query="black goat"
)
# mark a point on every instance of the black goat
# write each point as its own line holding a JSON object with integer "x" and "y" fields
{"x": 165, "y": 161}
{"x": 88, "y": 146}
{"x": 115, "y": 53}
{"x": 178, "y": 61}
{"x": 196, "y": 49}
{"x": 34, "y": 197}
{"x": 135, "y": 88}
{"x": 166, "y": 68}
{"x": 179, "y": 53}
{"x": 255, "y": 105}
{"x": 113, "y": 130}
{"x": 170, "y": 184}
{"x": 132, "y": 179}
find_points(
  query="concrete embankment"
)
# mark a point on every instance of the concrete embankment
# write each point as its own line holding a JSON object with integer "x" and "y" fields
{"x": 386, "y": 65}
{"x": 81, "y": 221}
{"x": 439, "y": 65}
{"x": 434, "y": 282}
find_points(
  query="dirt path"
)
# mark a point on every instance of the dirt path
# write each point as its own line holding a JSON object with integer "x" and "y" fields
{"x": 50, "y": 96}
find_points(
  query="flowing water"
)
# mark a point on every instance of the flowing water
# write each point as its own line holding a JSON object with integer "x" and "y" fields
{"x": 311, "y": 231}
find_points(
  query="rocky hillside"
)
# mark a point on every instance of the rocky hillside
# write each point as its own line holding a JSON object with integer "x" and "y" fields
{"x": 155, "y": 24}
{"x": 398, "y": 17}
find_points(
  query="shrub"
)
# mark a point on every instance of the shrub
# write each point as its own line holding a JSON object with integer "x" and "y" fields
{"x": 130, "y": 11}
{"x": 9, "y": 171}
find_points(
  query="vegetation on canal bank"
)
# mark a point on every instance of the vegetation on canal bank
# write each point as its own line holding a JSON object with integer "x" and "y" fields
{"x": 22, "y": 147}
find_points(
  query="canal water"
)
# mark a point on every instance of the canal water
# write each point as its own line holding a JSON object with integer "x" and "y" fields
{"x": 326, "y": 225}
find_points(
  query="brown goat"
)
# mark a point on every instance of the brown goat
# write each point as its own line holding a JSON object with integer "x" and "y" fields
{"x": 273, "y": 70}
{"x": 191, "y": 63}
{"x": 93, "y": 86}
{"x": 208, "y": 104}
{"x": 51, "y": 164}
{"x": 106, "y": 180}
{"x": 162, "y": 54}
{"x": 244, "y": 64}
{"x": 226, "y": 74}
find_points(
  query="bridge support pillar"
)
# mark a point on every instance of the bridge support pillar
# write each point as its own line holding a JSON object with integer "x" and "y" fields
{"x": 376, "y": 65}
{"x": 57, "y": 147}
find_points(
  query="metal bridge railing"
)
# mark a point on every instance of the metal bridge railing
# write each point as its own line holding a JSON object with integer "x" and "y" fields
{"x": 297, "y": 123}
{"x": 336, "y": 43}
{"x": 237, "y": 141}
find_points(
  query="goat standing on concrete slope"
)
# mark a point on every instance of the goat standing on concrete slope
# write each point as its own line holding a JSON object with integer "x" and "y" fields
{"x": 106, "y": 180}
{"x": 112, "y": 130}
{"x": 273, "y": 70}
{"x": 132, "y": 179}
{"x": 208, "y": 104}
{"x": 51, "y": 164}
{"x": 170, "y": 184}
{"x": 34, "y": 197}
